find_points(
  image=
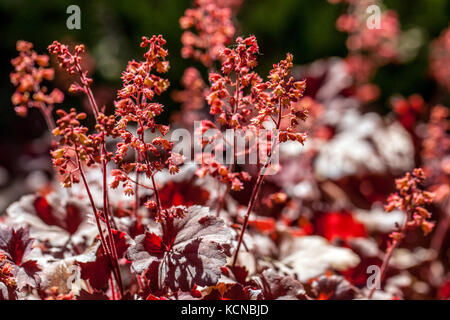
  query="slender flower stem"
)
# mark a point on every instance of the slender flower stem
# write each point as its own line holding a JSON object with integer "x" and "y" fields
{"x": 257, "y": 187}
{"x": 108, "y": 227}
{"x": 107, "y": 212}
{"x": 136, "y": 190}
{"x": 222, "y": 200}
{"x": 113, "y": 292}
{"x": 232, "y": 164}
{"x": 247, "y": 215}
{"x": 158, "y": 200}
{"x": 384, "y": 265}
{"x": 105, "y": 246}
{"x": 441, "y": 230}
{"x": 94, "y": 208}
{"x": 88, "y": 91}
{"x": 95, "y": 110}
{"x": 47, "y": 114}
{"x": 387, "y": 257}
{"x": 92, "y": 101}
{"x": 103, "y": 241}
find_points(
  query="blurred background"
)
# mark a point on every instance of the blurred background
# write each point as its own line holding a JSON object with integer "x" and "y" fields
{"x": 111, "y": 31}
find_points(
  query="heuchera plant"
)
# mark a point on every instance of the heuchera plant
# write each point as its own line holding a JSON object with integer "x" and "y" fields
{"x": 137, "y": 220}
{"x": 410, "y": 198}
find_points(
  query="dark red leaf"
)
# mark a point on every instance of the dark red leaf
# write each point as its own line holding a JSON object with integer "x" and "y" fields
{"x": 153, "y": 244}
{"x": 96, "y": 267}
{"x": 358, "y": 275}
{"x": 84, "y": 295}
{"x": 45, "y": 211}
{"x": 16, "y": 244}
{"x": 188, "y": 252}
{"x": 342, "y": 225}
{"x": 73, "y": 218}
{"x": 240, "y": 274}
{"x": 275, "y": 286}
{"x": 444, "y": 291}
{"x": 69, "y": 220}
{"x": 97, "y": 272}
{"x": 182, "y": 194}
{"x": 332, "y": 287}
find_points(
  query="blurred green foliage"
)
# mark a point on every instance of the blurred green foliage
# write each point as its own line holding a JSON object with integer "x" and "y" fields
{"x": 111, "y": 31}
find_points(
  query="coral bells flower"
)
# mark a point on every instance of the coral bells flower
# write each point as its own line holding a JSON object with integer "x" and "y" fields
{"x": 411, "y": 198}
{"x": 241, "y": 100}
{"x": 211, "y": 20}
{"x": 191, "y": 98}
{"x": 140, "y": 85}
{"x": 134, "y": 105}
{"x": 226, "y": 97}
{"x": 72, "y": 64}
{"x": 369, "y": 47}
{"x": 279, "y": 94}
{"x": 382, "y": 43}
{"x": 436, "y": 152}
{"x": 68, "y": 61}
{"x": 409, "y": 110}
{"x": 75, "y": 146}
{"x": 440, "y": 59}
{"x": 232, "y": 107}
{"x": 6, "y": 273}
{"x": 30, "y": 70}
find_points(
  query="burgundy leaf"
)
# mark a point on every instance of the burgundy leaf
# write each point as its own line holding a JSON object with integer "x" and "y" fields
{"x": 332, "y": 287}
{"x": 183, "y": 194}
{"x": 276, "y": 286}
{"x": 69, "y": 220}
{"x": 190, "y": 251}
{"x": 97, "y": 272}
{"x": 240, "y": 274}
{"x": 45, "y": 211}
{"x": 16, "y": 244}
{"x": 73, "y": 218}
{"x": 84, "y": 295}
{"x": 95, "y": 265}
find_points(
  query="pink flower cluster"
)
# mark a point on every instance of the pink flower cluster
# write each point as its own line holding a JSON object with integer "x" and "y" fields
{"x": 30, "y": 70}
{"x": 211, "y": 20}
{"x": 440, "y": 59}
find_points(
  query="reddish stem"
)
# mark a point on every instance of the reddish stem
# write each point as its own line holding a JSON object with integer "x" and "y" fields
{"x": 231, "y": 166}
{"x": 158, "y": 200}
{"x": 388, "y": 255}
{"x": 113, "y": 291}
{"x": 247, "y": 215}
{"x": 107, "y": 212}
{"x": 261, "y": 175}
{"x": 384, "y": 265}
{"x": 47, "y": 114}
{"x": 222, "y": 200}
{"x": 440, "y": 233}
{"x": 106, "y": 249}
{"x": 88, "y": 91}
{"x": 136, "y": 190}
{"x": 108, "y": 227}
